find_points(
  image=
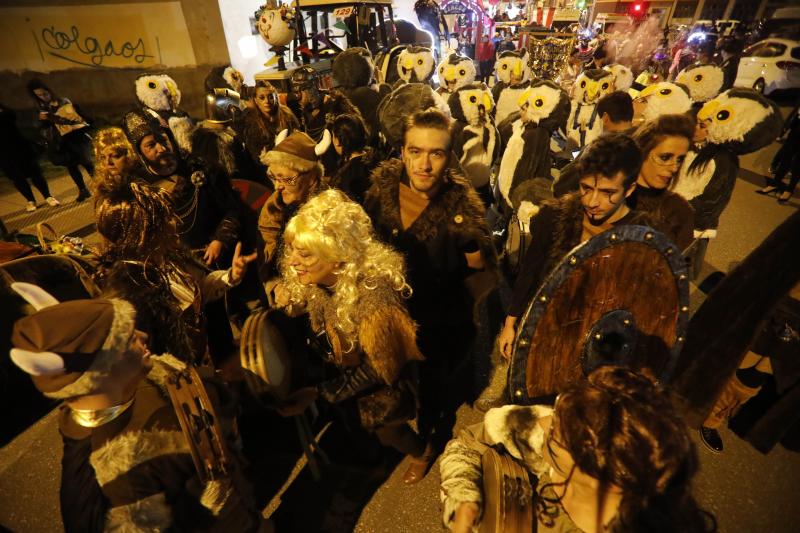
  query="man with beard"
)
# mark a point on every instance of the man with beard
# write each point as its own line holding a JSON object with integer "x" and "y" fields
{"x": 608, "y": 168}
{"x": 431, "y": 213}
{"x": 207, "y": 208}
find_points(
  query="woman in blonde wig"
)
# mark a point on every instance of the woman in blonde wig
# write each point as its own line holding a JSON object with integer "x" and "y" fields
{"x": 114, "y": 158}
{"x": 352, "y": 287}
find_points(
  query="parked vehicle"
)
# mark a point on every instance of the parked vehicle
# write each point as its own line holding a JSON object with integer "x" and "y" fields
{"x": 770, "y": 65}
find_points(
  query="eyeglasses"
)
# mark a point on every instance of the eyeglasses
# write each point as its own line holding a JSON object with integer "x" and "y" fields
{"x": 289, "y": 181}
{"x": 667, "y": 160}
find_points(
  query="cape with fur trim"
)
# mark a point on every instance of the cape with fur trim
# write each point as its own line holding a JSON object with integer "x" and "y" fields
{"x": 142, "y": 463}
{"x": 555, "y": 230}
{"x": 451, "y": 225}
{"x": 374, "y": 360}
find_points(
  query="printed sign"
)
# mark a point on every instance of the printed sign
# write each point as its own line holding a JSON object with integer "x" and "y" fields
{"x": 343, "y": 12}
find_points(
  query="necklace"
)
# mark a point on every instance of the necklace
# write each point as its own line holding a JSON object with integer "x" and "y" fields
{"x": 92, "y": 418}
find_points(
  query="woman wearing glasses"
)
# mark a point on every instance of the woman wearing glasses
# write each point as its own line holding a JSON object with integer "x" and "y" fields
{"x": 612, "y": 455}
{"x": 664, "y": 143}
{"x": 296, "y": 172}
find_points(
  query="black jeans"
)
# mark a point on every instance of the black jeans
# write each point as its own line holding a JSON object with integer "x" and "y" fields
{"x": 78, "y": 146}
{"x": 787, "y": 160}
{"x": 19, "y": 169}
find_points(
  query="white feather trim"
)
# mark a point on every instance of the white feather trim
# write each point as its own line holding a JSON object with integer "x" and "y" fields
{"x": 513, "y": 153}
{"x": 692, "y": 184}
{"x": 182, "y": 129}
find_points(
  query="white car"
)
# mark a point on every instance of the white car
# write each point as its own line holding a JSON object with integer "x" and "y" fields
{"x": 769, "y": 65}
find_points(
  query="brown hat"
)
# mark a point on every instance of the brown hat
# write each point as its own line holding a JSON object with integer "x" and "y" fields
{"x": 297, "y": 151}
{"x": 69, "y": 347}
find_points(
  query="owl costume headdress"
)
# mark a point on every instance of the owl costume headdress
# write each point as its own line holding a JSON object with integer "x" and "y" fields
{"x": 160, "y": 97}
{"x": 514, "y": 75}
{"x": 415, "y": 64}
{"x": 544, "y": 107}
{"x": 739, "y": 121}
{"x": 584, "y": 125}
{"x": 455, "y": 72}
{"x": 703, "y": 81}
{"x": 476, "y": 141}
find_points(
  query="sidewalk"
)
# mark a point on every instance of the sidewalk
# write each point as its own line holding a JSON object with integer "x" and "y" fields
{"x": 70, "y": 218}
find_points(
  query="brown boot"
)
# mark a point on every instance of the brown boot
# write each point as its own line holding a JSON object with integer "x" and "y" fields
{"x": 418, "y": 466}
{"x": 733, "y": 396}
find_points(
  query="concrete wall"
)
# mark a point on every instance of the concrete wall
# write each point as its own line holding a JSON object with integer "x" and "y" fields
{"x": 106, "y": 93}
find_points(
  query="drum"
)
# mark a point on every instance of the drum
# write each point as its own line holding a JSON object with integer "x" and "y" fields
{"x": 199, "y": 423}
{"x": 620, "y": 298}
{"x": 265, "y": 357}
{"x": 507, "y": 494}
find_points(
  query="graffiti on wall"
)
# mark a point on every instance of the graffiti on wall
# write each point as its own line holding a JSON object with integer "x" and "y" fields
{"x": 95, "y": 37}
{"x": 90, "y": 51}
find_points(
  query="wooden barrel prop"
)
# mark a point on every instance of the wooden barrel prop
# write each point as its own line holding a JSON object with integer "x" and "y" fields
{"x": 621, "y": 297}
{"x": 265, "y": 357}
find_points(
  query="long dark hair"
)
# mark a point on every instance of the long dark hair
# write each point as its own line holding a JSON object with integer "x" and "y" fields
{"x": 139, "y": 255}
{"x": 621, "y": 429}
{"x": 351, "y": 132}
{"x": 36, "y": 83}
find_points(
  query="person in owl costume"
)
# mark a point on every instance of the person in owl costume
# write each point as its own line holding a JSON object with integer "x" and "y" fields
{"x": 514, "y": 75}
{"x": 525, "y": 165}
{"x": 455, "y": 72}
{"x": 704, "y": 82}
{"x": 225, "y": 77}
{"x": 663, "y": 98}
{"x": 353, "y": 72}
{"x": 415, "y": 64}
{"x": 584, "y": 125}
{"x": 623, "y": 77}
{"x": 159, "y": 96}
{"x": 476, "y": 141}
{"x": 737, "y": 122}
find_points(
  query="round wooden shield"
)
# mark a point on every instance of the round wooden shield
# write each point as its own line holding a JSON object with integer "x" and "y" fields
{"x": 264, "y": 357}
{"x": 621, "y": 297}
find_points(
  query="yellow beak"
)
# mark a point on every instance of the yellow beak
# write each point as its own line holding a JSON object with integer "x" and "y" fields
{"x": 407, "y": 64}
{"x": 487, "y": 102}
{"x": 518, "y": 69}
{"x": 647, "y": 91}
{"x": 708, "y": 110}
{"x": 523, "y": 97}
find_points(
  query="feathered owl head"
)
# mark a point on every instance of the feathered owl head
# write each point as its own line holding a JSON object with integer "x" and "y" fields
{"x": 663, "y": 98}
{"x": 224, "y": 77}
{"x": 545, "y": 104}
{"x": 158, "y": 92}
{"x": 703, "y": 81}
{"x": 623, "y": 76}
{"x": 455, "y": 72}
{"x": 353, "y": 68}
{"x": 512, "y": 67}
{"x": 415, "y": 64}
{"x": 742, "y": 120}
{"x": 276, "y": 23}
{"x": 472, "y": 104}
{"x": 592, "y": 85}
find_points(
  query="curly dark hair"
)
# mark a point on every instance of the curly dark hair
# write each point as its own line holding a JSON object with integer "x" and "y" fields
{"x": 610, "y": 154}
{"x": 621, "y": 429}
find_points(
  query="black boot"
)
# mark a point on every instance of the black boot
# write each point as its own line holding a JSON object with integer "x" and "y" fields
{"x": 711, "y": 438}
{"x": 83, "y": 194}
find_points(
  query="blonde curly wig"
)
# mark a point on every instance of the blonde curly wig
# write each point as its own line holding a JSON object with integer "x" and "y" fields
{"x": 111, "y": 137}
{"x": 336, "y": 229}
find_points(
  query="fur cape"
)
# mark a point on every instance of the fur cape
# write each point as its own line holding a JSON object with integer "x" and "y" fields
{"x": 568, "y": 227}
{"x": 456, "y": 209}
{"x": 386, "y": 335}
{"x": 142, "y": 462}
